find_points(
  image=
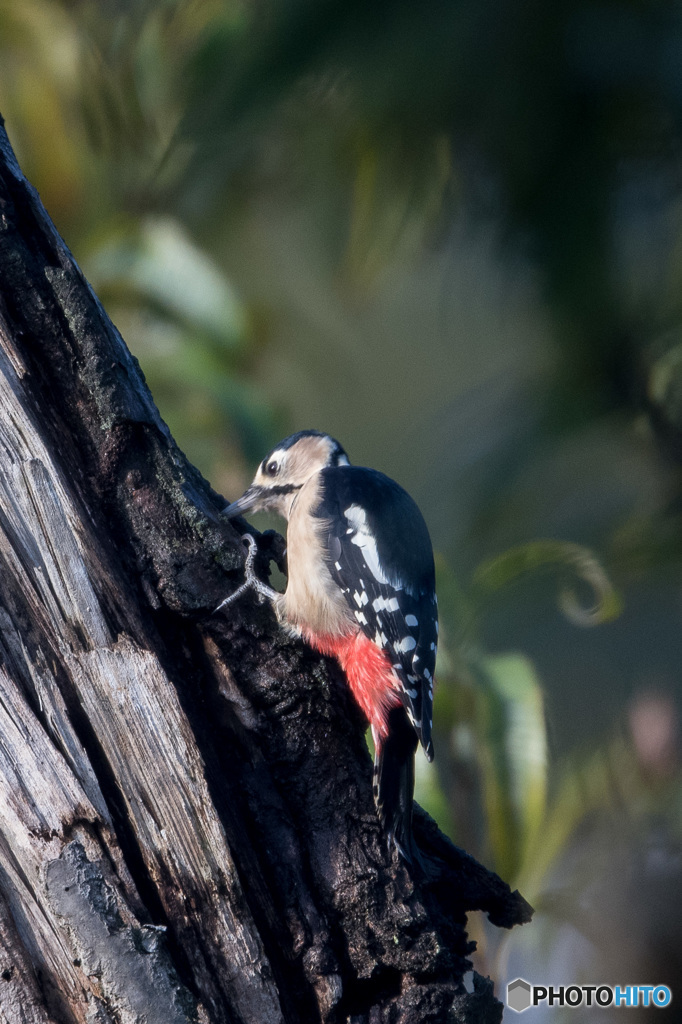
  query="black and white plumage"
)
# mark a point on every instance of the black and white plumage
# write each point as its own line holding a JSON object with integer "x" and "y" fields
{"x": 380, "y": 555}
{"x": 361, "y": 588}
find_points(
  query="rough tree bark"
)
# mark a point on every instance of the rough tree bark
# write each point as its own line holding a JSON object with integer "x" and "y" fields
{"x": 187, "y": 830}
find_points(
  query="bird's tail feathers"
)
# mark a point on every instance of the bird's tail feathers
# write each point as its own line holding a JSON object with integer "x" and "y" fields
{"x": 394, "y": 782}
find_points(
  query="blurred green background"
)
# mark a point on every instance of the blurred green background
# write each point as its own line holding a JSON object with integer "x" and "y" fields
{"x": 450, "y": 234}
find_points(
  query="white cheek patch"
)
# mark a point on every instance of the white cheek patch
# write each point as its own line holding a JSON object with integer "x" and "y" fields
{"x": 357, "y": 518}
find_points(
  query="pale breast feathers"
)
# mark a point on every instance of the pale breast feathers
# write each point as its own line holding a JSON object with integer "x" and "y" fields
{"x": 312, "y": 600}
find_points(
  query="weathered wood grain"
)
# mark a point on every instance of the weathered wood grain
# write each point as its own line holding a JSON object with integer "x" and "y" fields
{"x": 21, "y": 999}
{"x": 65, "y": 915}
{"x": 135, "y": 714}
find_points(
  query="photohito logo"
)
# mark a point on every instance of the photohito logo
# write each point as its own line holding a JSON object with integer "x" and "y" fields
{"x": 521, "y": 995}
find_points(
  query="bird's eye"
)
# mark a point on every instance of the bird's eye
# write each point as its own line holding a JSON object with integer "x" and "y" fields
{"x": 271, "y": 468}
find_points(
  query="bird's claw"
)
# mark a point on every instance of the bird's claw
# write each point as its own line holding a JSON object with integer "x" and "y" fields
{"x": 251, "y": 581}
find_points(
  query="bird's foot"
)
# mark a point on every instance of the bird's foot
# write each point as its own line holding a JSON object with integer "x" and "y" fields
{"x": 251, "y": 581}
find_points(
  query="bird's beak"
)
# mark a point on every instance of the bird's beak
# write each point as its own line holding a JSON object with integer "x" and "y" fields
{"x": 250, "y": 499}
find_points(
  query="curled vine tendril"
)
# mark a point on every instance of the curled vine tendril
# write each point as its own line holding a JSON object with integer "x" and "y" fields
{"x": 540, "y": 555}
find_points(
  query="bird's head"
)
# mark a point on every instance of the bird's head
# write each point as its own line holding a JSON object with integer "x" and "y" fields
{"x": 285, "y": 470}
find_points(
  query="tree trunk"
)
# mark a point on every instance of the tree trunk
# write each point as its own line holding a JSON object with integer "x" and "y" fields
{"x": 187, "y": 830}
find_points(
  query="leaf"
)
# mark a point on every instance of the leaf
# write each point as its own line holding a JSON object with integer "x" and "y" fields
{"x": 511, "y": 743}
{"x": 161, "y": 264}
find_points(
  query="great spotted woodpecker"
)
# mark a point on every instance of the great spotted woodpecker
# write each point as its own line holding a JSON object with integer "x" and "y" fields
{"x": 361, "y": 588}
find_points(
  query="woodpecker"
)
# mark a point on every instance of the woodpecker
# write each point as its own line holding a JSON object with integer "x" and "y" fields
{"x": 360, "y": 588}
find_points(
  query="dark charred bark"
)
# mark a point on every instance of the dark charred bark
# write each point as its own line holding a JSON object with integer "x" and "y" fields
{"x": 187, "y": 830}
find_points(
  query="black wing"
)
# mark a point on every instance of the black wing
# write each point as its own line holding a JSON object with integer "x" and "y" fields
{"x": 380, "y": 555}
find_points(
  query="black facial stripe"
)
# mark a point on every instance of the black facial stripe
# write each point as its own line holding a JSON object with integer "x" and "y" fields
{"x": 282, "y": 489}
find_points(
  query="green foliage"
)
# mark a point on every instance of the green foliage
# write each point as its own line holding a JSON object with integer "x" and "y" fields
{"x": 510, "y": 737}
{"x": 553, "y": 830}
{"x": 490, "y": 714}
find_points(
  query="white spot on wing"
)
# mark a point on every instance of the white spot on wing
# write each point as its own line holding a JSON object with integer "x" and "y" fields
{"x": 364, "y": 539}
{"x": 411, "y": 620}
{"x": 360, "y": 616}
{"x": 360, "y": 599}
{"x": 408, "y": 643}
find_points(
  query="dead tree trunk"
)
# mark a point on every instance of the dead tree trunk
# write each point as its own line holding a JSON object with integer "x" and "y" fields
{"x": 187, "y": 830}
